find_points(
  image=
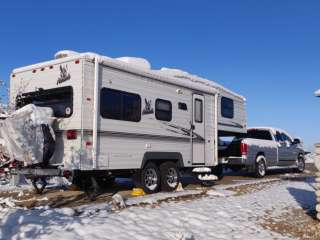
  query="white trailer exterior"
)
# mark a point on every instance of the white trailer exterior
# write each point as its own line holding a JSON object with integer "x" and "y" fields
{"x": 119, "y": 114}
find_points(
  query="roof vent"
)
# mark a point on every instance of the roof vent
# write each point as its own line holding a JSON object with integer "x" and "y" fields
{"x": 65, "y": 53}
{"x": 136, "y": 62}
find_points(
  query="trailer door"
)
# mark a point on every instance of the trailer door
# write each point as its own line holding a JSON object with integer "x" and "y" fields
{"x": 198, "y": 133}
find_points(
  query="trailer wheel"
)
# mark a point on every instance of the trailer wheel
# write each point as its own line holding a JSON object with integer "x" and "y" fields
{"x": 170, "y": 176}
{"x": 48, "y": 144}
{"x": 260, "y": 167}
{"x": 150, "y": 178}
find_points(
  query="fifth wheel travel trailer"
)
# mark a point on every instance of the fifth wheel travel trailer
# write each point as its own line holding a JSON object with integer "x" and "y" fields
{"x": 119, "y": 117}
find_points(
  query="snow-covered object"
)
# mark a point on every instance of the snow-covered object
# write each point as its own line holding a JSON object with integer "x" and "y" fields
{"x": 135, "y": 61}
{"x": 317, "y": 93}
{"x": 65, "y": 53}
{"x": 201, "y": 170}
{"x": 118, "y": 201}
{"x": 180, "y": 74}
{"x": 207, "y": 177}
{"x": 22, "y": 133}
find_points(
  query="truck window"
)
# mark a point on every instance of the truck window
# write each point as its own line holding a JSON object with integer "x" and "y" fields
{"x": 59, "y": 99}
{"x": 120, "y": 105}
{"x": 227, "y": 107}
{"x": 285, "y": 137}
{"x": 163, "y": 110}
{"x": 259, "y": 134}
{"x": 278, "y": 137}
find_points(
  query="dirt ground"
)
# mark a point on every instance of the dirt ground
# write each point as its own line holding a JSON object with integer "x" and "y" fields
{"x": 298, "y": 223}
{"x": 72, "y": 197}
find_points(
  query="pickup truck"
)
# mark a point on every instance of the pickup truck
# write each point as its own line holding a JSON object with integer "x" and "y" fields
{"x": 262, "y": 148}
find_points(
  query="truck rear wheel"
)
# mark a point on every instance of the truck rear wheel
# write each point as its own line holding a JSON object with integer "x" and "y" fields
{"x": 260, "y": 167}
{"x": 170, "y": 176}
{"x": 300, "y": 164}
{"x": 150, "y": 178}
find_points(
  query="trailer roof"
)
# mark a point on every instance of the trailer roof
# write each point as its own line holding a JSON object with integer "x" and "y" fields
{"x": 173, "y": 76}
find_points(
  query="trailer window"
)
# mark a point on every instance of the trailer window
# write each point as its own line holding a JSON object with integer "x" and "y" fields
{"x": 120, "y": 105}
{"x": 198, "y": 111}
{"x": 59, "y": 99}
{"x": 163, "y": 110}
{"x": 182, "y": 106}
{"x": 227, "y": 107}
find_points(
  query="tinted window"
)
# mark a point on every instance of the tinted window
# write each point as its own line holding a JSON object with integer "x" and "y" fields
{"x": 227, "y": 107}
{"x": 278, "y": 137}
{"x": 285, "y": 137}
{"x": 59, "y": 99}
{"x": 163, "y": 110}
{"x": 182, "y": 106}
{"x": 259, "y": 134}
{"x": 120, "y": 105}
{"x": 198, "y": 111}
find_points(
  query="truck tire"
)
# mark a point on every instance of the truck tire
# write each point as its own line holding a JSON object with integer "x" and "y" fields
{"x": 260, "y": 167}
{"x": 300, "y": 164}
{"x": 170, "y": 176}
{"x": 150, "y": 178}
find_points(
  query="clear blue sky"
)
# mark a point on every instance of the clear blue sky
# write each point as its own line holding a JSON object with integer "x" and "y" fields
{"x": 268, "y": 51}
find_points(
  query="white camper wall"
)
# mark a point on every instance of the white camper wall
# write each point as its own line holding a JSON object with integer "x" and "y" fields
{"x": 237, "y": 124}
{"x": 122, "y": 144}
{"x": 45, "y": 76}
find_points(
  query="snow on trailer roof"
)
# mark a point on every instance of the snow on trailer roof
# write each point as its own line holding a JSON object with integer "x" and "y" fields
{"x": 139, "y": 66}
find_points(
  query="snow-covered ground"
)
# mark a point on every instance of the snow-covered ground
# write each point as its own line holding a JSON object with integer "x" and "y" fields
{"x": 216, "y": 214}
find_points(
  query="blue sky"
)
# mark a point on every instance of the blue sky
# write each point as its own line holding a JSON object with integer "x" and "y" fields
{"x": 268, "y": 51}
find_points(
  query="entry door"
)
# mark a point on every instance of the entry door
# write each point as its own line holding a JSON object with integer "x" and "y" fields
{"x": 198, "y": 131}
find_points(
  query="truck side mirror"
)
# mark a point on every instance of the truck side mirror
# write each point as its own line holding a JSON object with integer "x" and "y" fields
{"x": 296, "y": 141}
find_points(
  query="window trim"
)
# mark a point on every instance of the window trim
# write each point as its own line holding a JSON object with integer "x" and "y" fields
{"x": 157, "y": 110}
{"x": 122, "y": 107}
{"x": 222, "y": 109}
{"x": 195, "y": 111}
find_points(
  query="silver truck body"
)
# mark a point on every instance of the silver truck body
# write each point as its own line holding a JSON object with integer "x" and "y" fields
{"x": 277, "y": 147}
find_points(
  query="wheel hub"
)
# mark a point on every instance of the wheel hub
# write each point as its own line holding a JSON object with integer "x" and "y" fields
{"x": 151, "y": 179}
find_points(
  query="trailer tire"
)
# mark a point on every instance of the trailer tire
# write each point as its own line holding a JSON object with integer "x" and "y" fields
{"x": 170, "y": 176}
{"x": 48, "y": 144}
{"x": 150, "y": 178}
{"x": 260, "y": 167}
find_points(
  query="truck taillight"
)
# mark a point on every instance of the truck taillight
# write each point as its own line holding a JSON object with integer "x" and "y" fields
{"x": 71, "y": 134}
{"x": 244, "y": 149}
